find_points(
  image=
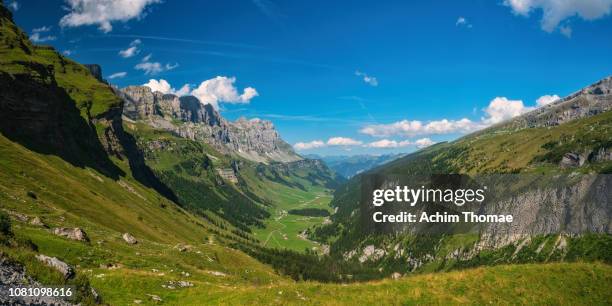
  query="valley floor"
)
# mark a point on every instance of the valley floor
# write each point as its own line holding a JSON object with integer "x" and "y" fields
{"x": 284, "y": 230}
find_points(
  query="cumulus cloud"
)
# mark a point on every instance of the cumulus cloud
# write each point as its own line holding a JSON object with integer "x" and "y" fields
{"x": 132, "y": 50}
{"x": 391, "y": 144}
{"x": 163, "y": 86}
{"x": 183, "y": 91}
{"x": 217, "y": 90}
{"x": 103, "y": 12}
{"x": 331, "y": 142}
{"x": 501, "y": 109}
{"x": 370, "y": 80}
{"x": 349, "y": 142}
{"x": 117, "y": 75}
{"x": 415, "y": 127}
{"x": 423, "y": 143}
{"x": 150, "y": 68}
{"x": 555, "y": 12}
{"x": 463, "y": 22}
{"x": 38, "y": 35}
{"x": 547, "y": 99}
{"x": 67, "y": 52}
{"x": 343, "y": 141}
{"x": 221, "y": 89}
{"x": 388, "y": 144}
{"x": 309, "y": 145}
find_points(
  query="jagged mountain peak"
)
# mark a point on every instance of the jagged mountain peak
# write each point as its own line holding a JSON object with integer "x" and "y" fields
{"x": 186, "y": 116}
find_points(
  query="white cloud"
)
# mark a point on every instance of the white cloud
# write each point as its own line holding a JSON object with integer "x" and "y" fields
{"x": 151, "y": 68}
{"x": 332, "y": 142}
{"x": 213, "y": 91}
{"x": 117, "y": 75}
{"x": 132, "y": 50}
{"x": 309, "y": 145}
{"x": 103, "y": 12}
{"x": 183, "y": 91}
{"x": 423, "y": 142}
{"x": 416, "y": 127}
{"x": 463, "y": 22}
{"x": 498, "y": 110}
{"x": 38, "y": 36}
{"x": 14, "y": 5}
{"x": 554, "y": 12}
{"x": 388, "y": 144}
{"x": 370, "y": 80}
{"x": 221, "y": 89}
{"x": 147, "y": 58}
{"x": 547, "y": 99}
{"x": 343, "y": 141}
{"x": 501, "y": 109}
{"x": 163, "y": 86}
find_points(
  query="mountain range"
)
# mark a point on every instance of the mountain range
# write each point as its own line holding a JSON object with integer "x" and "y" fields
{"x": 349, "y": 166}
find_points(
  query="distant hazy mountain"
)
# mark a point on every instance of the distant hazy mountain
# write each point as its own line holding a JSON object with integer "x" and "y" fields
{"x": 349, "y": 166}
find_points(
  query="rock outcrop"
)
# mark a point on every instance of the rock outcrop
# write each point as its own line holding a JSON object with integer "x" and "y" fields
{"x": 253, "y": 139}
{"x": 71, "y": 233}
{"x": 56, "y": 264}
{"x": 14, "y": 275}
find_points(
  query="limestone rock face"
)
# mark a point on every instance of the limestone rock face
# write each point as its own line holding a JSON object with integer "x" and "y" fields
{"x": 71, "y": 233}
{"x": 56, "y": 264}
{"x": 589, "y": 101}
{"x": 186, "y": 116}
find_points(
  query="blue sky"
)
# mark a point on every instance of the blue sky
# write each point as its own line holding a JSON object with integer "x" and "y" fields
{"x": 342, "y": 77}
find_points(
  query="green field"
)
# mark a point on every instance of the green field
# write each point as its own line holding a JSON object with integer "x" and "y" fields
{"x": 282, "y": 230}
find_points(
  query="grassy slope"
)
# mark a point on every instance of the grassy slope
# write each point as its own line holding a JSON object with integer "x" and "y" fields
{"x": 67, "y": 196}
{"x": 547, "y": 284}
{"x": 92, "y": 97}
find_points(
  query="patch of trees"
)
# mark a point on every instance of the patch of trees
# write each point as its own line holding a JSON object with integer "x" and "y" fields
{"x": 310, "y": 212}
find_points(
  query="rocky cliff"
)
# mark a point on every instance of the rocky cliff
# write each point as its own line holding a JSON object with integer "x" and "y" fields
{"x": 254, "y": 139}
{"x": 589, "y": 101}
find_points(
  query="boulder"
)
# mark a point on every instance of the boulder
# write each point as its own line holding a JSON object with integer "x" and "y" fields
{"x": 127, "y": 237}
{"x": 396, "y": 275}
{"x": 38, "y": 222}
{"x": 570, "y": 160}
{"x": 56, "y": 264}
{"x": 183, "y": 247}
{"x": 71, "y": 233}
